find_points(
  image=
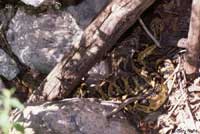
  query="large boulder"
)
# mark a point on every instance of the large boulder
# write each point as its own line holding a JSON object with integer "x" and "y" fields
{"x": 40, "y": 40}
{"x": 72, "y": 116}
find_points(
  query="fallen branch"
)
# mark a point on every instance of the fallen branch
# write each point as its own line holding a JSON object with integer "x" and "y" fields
{"x": 99, "y": 37}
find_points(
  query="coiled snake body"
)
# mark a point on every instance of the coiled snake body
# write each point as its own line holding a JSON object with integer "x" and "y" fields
{"x": 139, "y": 82}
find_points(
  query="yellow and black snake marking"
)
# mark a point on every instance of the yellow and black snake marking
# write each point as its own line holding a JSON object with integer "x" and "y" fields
{"x": 135, "y": 79}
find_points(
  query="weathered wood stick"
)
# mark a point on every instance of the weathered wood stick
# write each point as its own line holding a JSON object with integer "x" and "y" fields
{"x": 192, "y": 43}
{"x": 99, "y": 37}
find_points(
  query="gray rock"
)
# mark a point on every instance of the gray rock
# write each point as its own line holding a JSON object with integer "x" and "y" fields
{"x": 72, "y": 116}
{"x": 6, "y": 15}
{"x": 40, "y": 40}
{"x": 37, "y": 3}
{"x": 34, "y": 3}
{"x": 8, "y": 67}
{"x": 86, "y": 11}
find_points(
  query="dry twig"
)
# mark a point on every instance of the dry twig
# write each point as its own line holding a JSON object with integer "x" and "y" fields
{"x": 149, "y": 33}
{"x": 121, "y": 106}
